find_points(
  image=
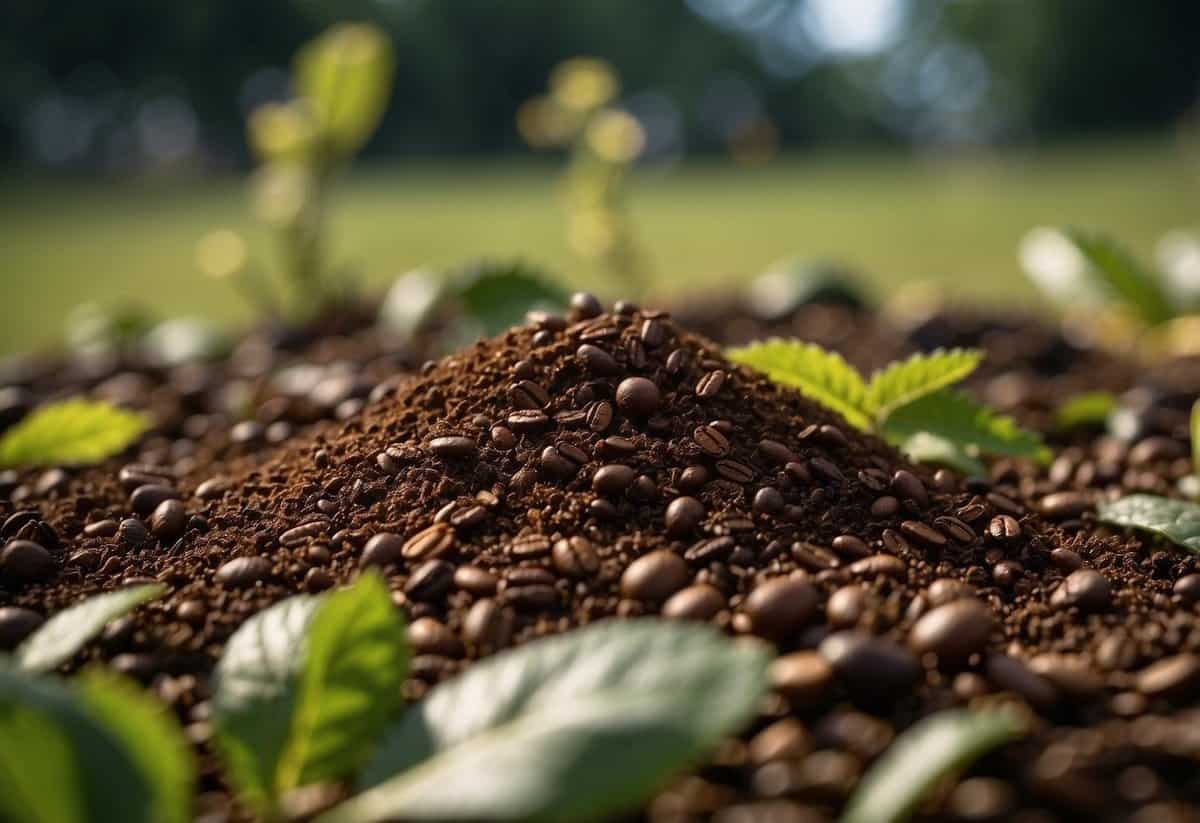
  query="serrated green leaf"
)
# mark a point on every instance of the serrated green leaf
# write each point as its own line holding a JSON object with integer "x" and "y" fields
{"x": 955, "y": 417}
{"x": 1124, "y": 276}
{"x": 58, "y": 639}
{"x": 345, "y": 77}
{"x": 935, "y": 748}
{"x": 71, "y": 432}
{"x": 822, "y": 376}
{"x": 498, "y": 295}
{"x": 568, "y": 728}
{"x": 907, "y": 381}
{"x": 39, "y": 779}
{"x": 930, "y": 449}
{"x": 355, "y": 664}
{"x": 254, "y": 695}
{"x": 1176, "y": 520}
{"x": 1087, "y": 409}
{"x": 106, "y": 783}
{"x": 151, "y": 736}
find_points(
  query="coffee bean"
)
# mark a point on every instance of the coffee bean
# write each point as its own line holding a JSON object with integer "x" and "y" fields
{"x": 26, "y": 561}
{"x": 134, "y": 475}
{"x": 879, "y": 564}
{"x": 453, "y": 447}
{"x": 635, "y": 354}
{"x": 655, "y": 577}
{"x": 1064, "y": 505}
{"x": 804, "y": 678}
{"x": 972, "y": 512}
{"x": 832, "y": 436}
{"x": 711, "y": 441}
{"x": 145, "y": 499}
{"x": 850, "y": 546}
{"x": 700, "y": 602}
{"x": 585, "y": 306}
{"x": 429, "y": 581}
{"x": 846, "y": 606}
{"x": 1155, "y": 449}
{"x": 922, "y": 533}
{"x": 600, "y": 329}
{"x": 653, "y": 333}
{"x": 597, "y": 360}
{"x": 775, "y": 452}
{"x": 599, "y": 415}
{"x": 693, "y": 478}
{"x": 435, "y": 541}
{"x": 526, "y": 421}
{"x": 554, "y": 466}
{"x": 132, "y": 533}
{"x": 529, "y": 395}
{"x": 768, "y": 501}
{"x": 706, "y": 551}
{"x": 710, "y": 384}
{"x": 503, "y": 437}
{"x": 101, "y": 528}
{"x": 169, "y": 521}
{"x": 429, "y": 636}
{"x": 242, "y": 572}
{"x": 946, "y": 589}
{"x": 383, "y": 549}
{"x": 212, "y": 488}
{"x": 955, "y": 529}
{"x": 886, "y": 506}
{"x": 1176, "y": 678}
{"x": 1066, "y": 560}
{"x": 1069, "y": 674}
{"x": 638, "y": 396}
{"x": 734, "y": 471}
{"x": 16, "y": 624}
{"x": 575, "y": 557}
{"x": 894, "y": 542}
{"x": 612, "y": 480}
{"x": 299, "y": 535}
{"x": 1011, "y": 675}
{"x": 814, "y": 557}
{"x": 908, "y": 486}
{"x": 1004, "y": 528}
{"x": 535, "y": 598}
{"x": 873, "y": 669}
{"x": 826, "y": 469}
{"x": 1188, "y": 588}
{"x": 530, "y": 545}
{"x": 616, "y": 448}
{"x": 779, "y": 607}
{"x": 1007, "y": 572}
{"x": 1086, "y": 589}
{"x": 475, "y": 580}
{"x": 953, "y": 632}
{"x": 488, "y": 626}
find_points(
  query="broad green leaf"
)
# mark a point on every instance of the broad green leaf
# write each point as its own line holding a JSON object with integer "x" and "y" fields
{"x": 955, "y": 417}
{"x": 282, "y": 132}
{"x": 1124, "y": 276}
{"x": 1087, "y": 409}
{"x": 927, "y": 448}
{"x": 937, "y": 747}
{"x": 100, "y": 778}
{"x": 254, "y": 695}
{"x": 39, "y": 779}
{"x": 1176, "y": 520}
{"x": 498, "y": 295}
{"x": 71, "y": 432}
{"x": 907, "y": 381}
{"x": 151, "y": 736}
{"x": 568, "y": 728}
{"x": 60, "y": 637}
{"x": 345, "y": 77}
{"x": 1195, "y": 429}
{"x": 356, "y": 661}
{"x": 822, "y": 376}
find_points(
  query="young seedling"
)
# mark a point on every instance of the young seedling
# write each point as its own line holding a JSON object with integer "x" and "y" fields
{"x": 909, "y": 403}
{"x": 70, "y": 432}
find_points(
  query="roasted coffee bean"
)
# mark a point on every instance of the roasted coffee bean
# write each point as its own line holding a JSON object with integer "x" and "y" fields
{"x": 453, "y": 447}
{"x": 475, "y": 580}
{"x": 693, "y": 478}
{"x": 805, "y": 678}
{"x": 435, "y": 541}
{"x": 886, "y": 506}
{"x": 1086, "y": 589}
{"x": 735, "y": 472}
{"x": 878, "y": 564}
{"x": 847, "y": 545}
{"x": 1071, "y": 675}
{"x": 677, "y": 361}
{"x": 16, "y": 624}
{"x": 554, "y": 466}
{"x": 575, "y": 557}
{"x": 947, "y": 589}
{"x": 132, "y": 533}
{"x": 602, "y": 509}
{"x": 711, "y": 441}
{"x": 572, "y": 452}
{"x": 813, "y": 557}
{"x": 212, "y": 488}
{"x": 25, "y": 560}
{"x": 488, "y": 626}
{"x": 953, "y": 632}
{"x": 908, "y": 486}
{"x": 655, "y": 577}
{"x": 955, "y": 529}
{"x": 1188, "y": 588}
{"x": 612, "y": 480}
{"x": 894, "y": 542}
{"x": 529, "y": 395}
{"x": 465, "y": 518}
{"x": 923, "y": 534}
{"x": 768, "y": 500}
{"x": 318, "y": 580}
{"x": 653, "y": 333}
{"x": 1011, "y": 675}
{"x": 874, "y": 670}
{"x": 846, "y": 606}
{"x": 600, "y": 415}
{"x": 1006, "y": 573}
{"x": 169, "y": 521}
{"x": 1176, "y": 678}
{"x": 388, "y": 463}
{"x": 706, "y": 551}
{"x": 526, "y": 421}
{"x": 429, "y": 581}
{"x": 972, "y": 512}
{"x": 533, "y": 598}
{"x": 1004, "y": 528}
{"x": 134, "y": 475}
{"x": 101, "y": 528}
{"x": 710, "y": 384}
{"x": 635, "y": 354}
{"x": 383, "y": 549}
{"x": 775, "y": 452}
{"x": 429, "y": 636}
{"x": 145, "y": 499}
{"x": 1066, "y": 560}
{"x": 638, "y": 396}
{"x": 597, "y": 360}
{"x": 779, "y": 607}
{"x": 585, "y": 306}
{"x": 1064, "y": 505}
{"x": 700, "y": 602}
{"x": 826, "y": 469}
{"x": 1155, "y": 449}
{"x": 299, "y": 535}
{"x": 503, "y": 437}
{"x": 683, "y": 516}
{"x": 616, "y": 447}
{"x": 783, "y": 740}
{"x": 530, "y": 545}
{"x": 242, "y": 572}
{"x": 832, "y": 436}
{"x": 571, "y": 419}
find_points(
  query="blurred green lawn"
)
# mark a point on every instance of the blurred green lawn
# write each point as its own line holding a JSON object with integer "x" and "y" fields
{"x": 706, "y": 226}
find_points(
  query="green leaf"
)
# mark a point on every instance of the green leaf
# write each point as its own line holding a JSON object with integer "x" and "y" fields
{"x": 60, "y": 637}
{"x": 1087, "y": 409}
{"x": 822, "y": 376}
{"x": 151, "y": 736}
{"x": 254, "y": 695}
{"x": 355, "y": 665}
{"x": 1195, "y": 428}
{"x": 1176, "y": 520}
{"x": 345, "y": 77}
{"x": 927, "y": 448}
{"x": 71, "y": 432}
{"x": 567, "y": 728}
{"x": 498, "y": 295}
{"x": 100, "y": 778}
{"x": 974, "y": 428}
{"x": 907, "y": 381}
{"x": 935, "y": 748}
{"x": 1124, "y": 276}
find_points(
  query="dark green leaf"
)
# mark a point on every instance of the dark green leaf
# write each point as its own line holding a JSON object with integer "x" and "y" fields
{"x": 70, "y": 432}
{"x": 1176, "y": 520}
{"x": 935, "y": 748}
{"x": 907, "y": 381}
{"x": 498, "y": 295}
{"x": 40, "y": 778}
{"x": 955, "y": 417}
{"x": 569, "y": 728}
{"x": 1088, "y": 409}
{"x": 60, "y": 637}
{"x": 1124, "y": 276}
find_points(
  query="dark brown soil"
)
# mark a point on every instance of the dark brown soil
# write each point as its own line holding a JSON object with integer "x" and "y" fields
{"x": 581, "y": 468}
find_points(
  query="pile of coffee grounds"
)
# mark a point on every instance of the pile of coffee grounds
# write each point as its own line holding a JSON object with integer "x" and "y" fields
{"x": 611, "y": 464}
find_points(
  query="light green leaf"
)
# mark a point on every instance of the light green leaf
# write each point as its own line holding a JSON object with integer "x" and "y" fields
{"x": 822, "y": 376}
{"x": 1176, "y": 520}
{"x": 60, "y": 637}
{"x": 568, "y": 728}
{"x": 935, "y": 748}
{"x": 907, "y": 381}
{"x": 955, "y": 417}
{"x": 927, "y": 448}
{"x": 1124, "y": 276}
{"x": 151, "y": 736}
{"x": 1087, "y": 409}
{"x": 355, "y": 665}
{"x": 39, "y": 779}
{"x": 345, "y": 77}
{"x": 100, "y": 778}
{"x": 254, "y": 695}
{"x": 70, "y": 432}
{"x": 498, "y": 295}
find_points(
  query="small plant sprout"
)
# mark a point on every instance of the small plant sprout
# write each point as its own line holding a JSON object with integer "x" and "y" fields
{"x": 604, "y": 143}
{"x": 343, "y": 81}
{"x": 909, "y": 403}
{"x": 70, "y": 432}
